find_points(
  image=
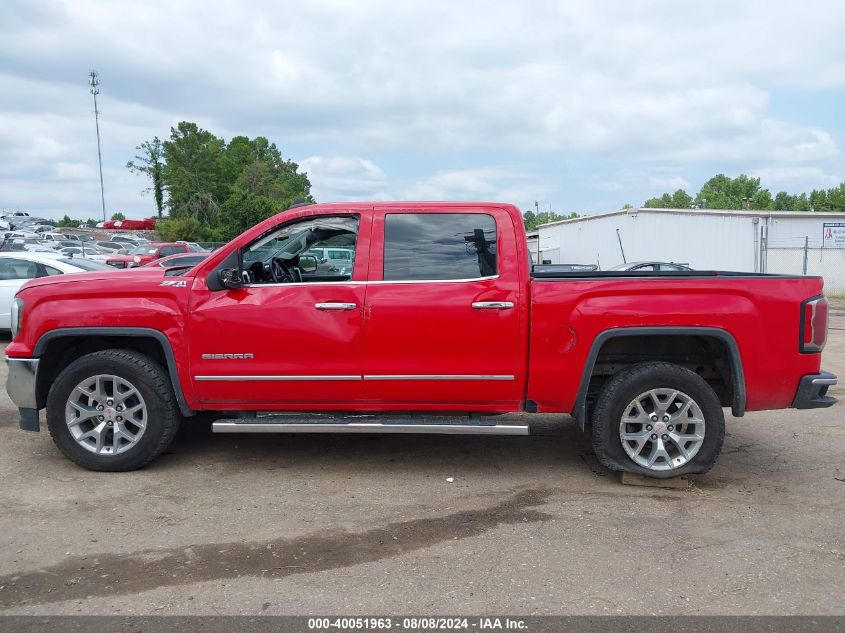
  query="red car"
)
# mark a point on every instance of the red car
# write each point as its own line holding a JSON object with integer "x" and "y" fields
{"x": 440, "y": 316}
{"x": 146, "y": 253}
{"x": 180, "y": 259}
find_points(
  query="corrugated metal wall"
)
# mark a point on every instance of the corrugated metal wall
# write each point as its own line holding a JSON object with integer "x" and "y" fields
{"x": 726, "y": 242}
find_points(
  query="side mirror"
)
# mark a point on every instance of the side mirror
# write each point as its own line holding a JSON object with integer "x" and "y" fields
{"x": 230, "y": 278}
{"x": 307, "y": 263}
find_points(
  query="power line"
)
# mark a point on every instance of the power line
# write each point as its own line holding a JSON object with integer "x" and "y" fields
{"x": 94, "y": 82}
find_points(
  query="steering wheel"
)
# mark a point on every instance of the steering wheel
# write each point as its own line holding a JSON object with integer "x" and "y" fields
{"x": 282, "y": 273}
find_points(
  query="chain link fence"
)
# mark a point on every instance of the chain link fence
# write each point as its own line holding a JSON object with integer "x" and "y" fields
{"x": 808, "y": 257}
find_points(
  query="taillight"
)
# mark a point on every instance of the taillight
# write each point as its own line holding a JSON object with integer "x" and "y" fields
{"x": 813, "y": 325}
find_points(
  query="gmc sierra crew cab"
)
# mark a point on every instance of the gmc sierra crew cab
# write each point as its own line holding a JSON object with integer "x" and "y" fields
{"x": 440, "y": 324}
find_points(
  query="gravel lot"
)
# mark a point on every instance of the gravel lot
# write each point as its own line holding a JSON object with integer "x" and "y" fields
{"x": 225, "y": 524}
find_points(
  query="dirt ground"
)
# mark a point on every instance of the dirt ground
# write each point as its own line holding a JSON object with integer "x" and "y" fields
{"x": 227, "y": 524}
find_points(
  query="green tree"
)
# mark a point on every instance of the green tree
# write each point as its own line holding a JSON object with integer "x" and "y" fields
{"x": 150, "y": 162}
{"x": 762, "y": 200}
{"x": 184, "y": 228}
{"x": 532, "y": 220}
{"x": 192, "y": 166}
{"x": 722, "y": 192}
{"x": 836, "y": 197}
{"x": 67, "y": 222}
{"x": 819, "y": 200}
{"x": 802, "y": 203}
{"x": 784, "y": 202}
{"x": 243, "y": 210}
{"x": 118, "y": 216}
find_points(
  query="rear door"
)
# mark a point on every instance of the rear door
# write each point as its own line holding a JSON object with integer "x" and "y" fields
{"x": 443, "y": 310}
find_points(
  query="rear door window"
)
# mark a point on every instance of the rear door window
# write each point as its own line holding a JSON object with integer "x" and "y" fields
{"x": 439, "y": 246}
{"x": 18, "y": 269}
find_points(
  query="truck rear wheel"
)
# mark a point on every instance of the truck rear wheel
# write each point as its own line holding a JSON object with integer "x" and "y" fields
{"x": 112, "y": 410}
{"x": 658, "y": 419}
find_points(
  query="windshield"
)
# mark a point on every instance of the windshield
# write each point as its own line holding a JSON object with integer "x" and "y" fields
{"x": 87, "y": 264}
{"x": 144, "y": 250}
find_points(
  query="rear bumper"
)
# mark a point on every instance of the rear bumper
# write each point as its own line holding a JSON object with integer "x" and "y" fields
{"x": 812, "y": 391}
{"x": 21, "y": 385}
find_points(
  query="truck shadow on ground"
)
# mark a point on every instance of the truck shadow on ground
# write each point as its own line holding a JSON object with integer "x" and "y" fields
{"x": 551, "y": 445}
{"x": 119, "y": 574}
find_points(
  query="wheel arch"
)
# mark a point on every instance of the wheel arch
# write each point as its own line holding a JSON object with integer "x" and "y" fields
{"x": 723, "y": 337}
{"x": 57, "y": 348}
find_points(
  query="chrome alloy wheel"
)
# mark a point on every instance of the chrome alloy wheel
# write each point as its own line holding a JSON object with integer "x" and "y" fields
{"x": 106, "y": 414}
{"x": 662, "y": 429}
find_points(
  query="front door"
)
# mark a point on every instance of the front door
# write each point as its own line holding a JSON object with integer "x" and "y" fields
{"x": 443, "y": 311}
{"x": 290, "y": 336}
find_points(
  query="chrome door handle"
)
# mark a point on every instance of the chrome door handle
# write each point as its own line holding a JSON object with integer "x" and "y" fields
{"x": 335, "y": 306}
{"x": 492, "y": 305}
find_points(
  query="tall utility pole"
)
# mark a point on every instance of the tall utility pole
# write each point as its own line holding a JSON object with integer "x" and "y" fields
{"x": 94, "y": 82}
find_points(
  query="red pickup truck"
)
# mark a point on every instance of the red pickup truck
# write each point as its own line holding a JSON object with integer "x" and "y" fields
{"x": 440, "y": 324}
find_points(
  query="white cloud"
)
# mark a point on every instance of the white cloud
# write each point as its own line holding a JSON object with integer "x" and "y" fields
{"x": 665, "y": 87}
{"x": 797, "y": 178}
{"x": 336, "y": 178}
{"x": 669, "y": 182}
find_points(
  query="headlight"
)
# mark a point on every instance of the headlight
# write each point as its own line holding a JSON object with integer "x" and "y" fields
{"x": 17, "y": 316}
{"x": 136, "y": 259}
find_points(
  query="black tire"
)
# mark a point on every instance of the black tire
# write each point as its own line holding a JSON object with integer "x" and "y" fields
{"x": 153, "y": 383}
{"x": 616, "y": 396}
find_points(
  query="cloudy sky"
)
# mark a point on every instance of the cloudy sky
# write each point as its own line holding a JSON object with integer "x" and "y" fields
{"x": 582, "y": 105}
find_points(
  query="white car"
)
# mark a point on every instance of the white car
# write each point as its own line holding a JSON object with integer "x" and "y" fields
{"x": 18, "y": 268}
{"x": 53, "y": 237}
{"x": 27, "y": 234}
{"x": 133, "y": 239}
{"x": 85, "y": 251}
{"x": 28, "y": 244}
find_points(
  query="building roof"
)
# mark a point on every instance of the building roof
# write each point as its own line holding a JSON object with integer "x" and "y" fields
{"x": 698, "y": 212}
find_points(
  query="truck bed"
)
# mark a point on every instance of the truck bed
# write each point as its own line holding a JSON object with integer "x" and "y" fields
{"x": 550, "y": 271}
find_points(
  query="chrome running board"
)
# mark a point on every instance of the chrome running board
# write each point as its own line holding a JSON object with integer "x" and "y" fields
{"x": 304, "y": 423}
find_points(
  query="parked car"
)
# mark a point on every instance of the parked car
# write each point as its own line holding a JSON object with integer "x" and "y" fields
{"x": 439, "y": 314}
{"x": 646, "y": 266}
{"x": 23, "y": 234}
{"x": 26, "y": 244}
{"x": 333, "y": 260}
{"x": 565, "y": 268}
{"x": 144, "y": 253}
{"x": 196, "y": 248}
{"x": 87, "y": 252}
{"x": 64, "y": 244}
{"x": 85, "y": 238}
{"x": 115, "y": 247}
{"x": 53, "y": 237}
{"x": 171, "y": 261}
{"x": 18, "y": 268}
{"x": 125, "y": 237}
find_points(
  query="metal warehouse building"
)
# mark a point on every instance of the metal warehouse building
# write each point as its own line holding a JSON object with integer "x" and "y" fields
{"x": 749, "y": 241}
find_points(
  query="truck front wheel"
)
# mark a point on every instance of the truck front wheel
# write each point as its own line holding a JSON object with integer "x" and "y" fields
{"x": 112, "y": 410}
{"x": 658, "y": 419}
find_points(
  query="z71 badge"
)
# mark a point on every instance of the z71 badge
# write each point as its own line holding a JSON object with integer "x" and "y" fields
{"x": 180, "y": 283}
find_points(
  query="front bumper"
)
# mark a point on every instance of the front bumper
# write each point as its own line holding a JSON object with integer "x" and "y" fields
{"x": 812, "y": 391}
{"x": 21, "y": 387}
